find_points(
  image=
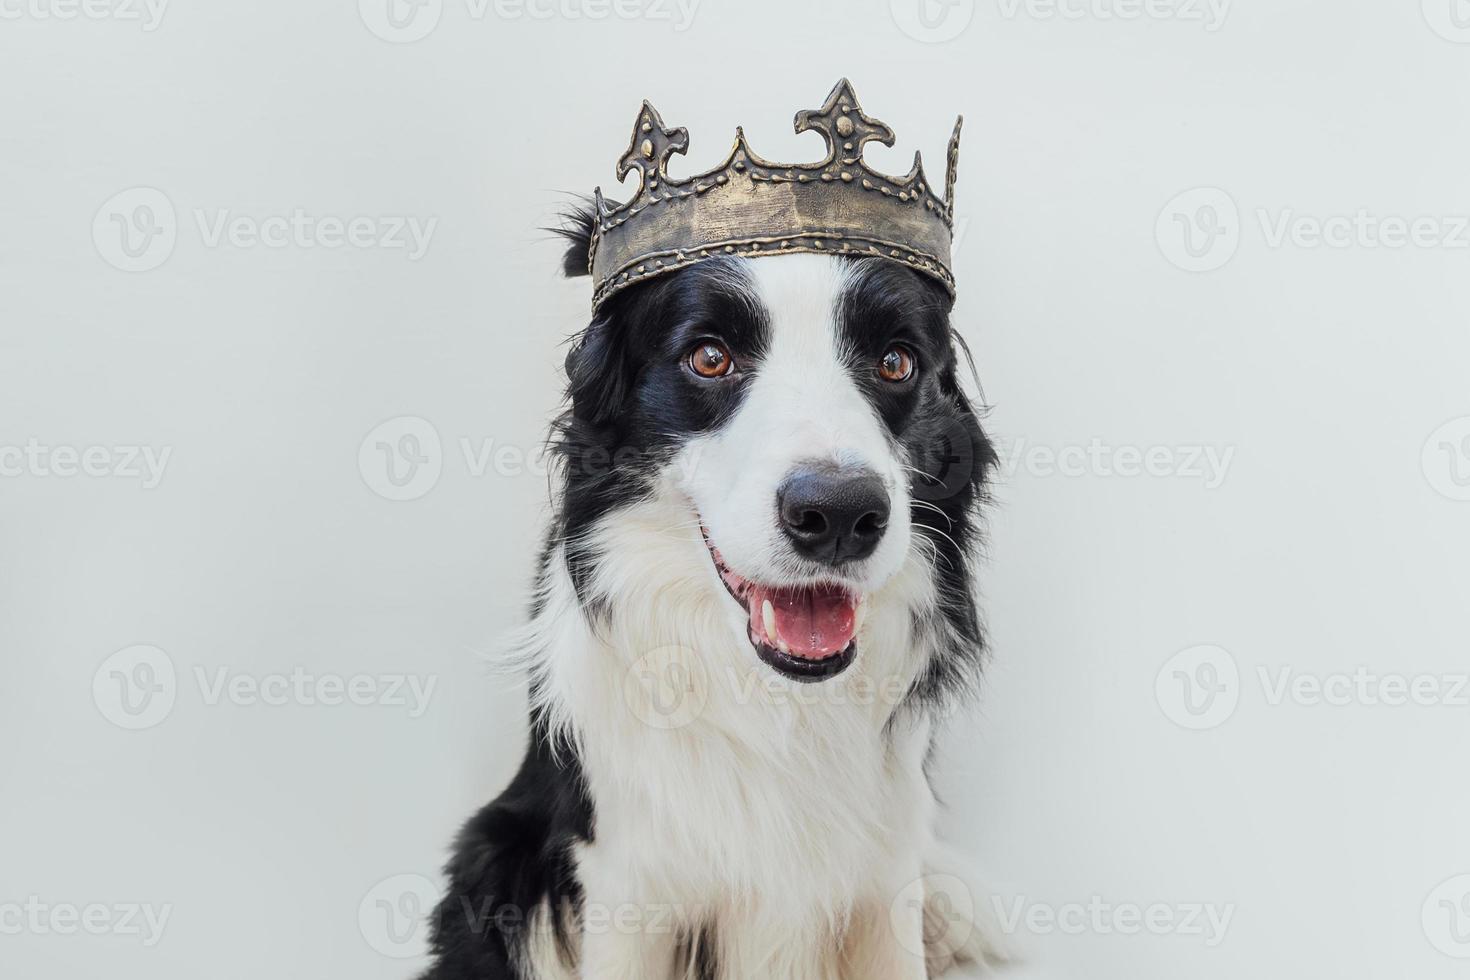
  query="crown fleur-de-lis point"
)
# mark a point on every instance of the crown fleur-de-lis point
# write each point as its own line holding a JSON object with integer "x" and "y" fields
{"x": 952, "y": 166}
{"x": 844, "y": 125}
{"x": 651, "y": 147}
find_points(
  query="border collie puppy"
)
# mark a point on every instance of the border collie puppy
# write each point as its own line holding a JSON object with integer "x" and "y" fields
{"x": 754, "y": 605}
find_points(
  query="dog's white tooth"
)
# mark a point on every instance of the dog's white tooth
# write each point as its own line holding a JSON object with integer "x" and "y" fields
{"x": 859, "y": 616}
{"x": 768, "y": 618}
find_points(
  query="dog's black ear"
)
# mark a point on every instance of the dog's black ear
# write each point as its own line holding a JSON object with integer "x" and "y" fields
{"x": 598, "y": 365}
{"x": 576, "y": 228}
{"x": 597, "y": 373}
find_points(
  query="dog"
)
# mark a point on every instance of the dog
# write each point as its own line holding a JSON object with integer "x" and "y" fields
{"x": 754, "y": 607}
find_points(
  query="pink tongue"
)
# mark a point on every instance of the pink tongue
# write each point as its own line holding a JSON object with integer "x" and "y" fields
{"x": 813, "y": 623}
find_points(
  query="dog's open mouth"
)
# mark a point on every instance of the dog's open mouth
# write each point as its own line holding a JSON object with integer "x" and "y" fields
{"x": 806, "y": 632}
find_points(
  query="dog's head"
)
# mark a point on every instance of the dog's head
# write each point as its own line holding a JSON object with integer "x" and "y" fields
{"x": 807, "y": 409}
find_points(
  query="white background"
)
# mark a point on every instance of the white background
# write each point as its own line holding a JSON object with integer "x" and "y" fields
{"x": 1333, "y": 540}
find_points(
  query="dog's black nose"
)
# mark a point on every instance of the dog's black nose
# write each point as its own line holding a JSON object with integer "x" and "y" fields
{"x": 833, "y": 515}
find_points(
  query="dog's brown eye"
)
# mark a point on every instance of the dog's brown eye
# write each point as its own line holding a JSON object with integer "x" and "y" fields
{"x": 896, "y": 364}
{"x": 711, "y": 359}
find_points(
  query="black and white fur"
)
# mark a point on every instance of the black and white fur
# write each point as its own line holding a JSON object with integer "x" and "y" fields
{"x": 761, "y": 827}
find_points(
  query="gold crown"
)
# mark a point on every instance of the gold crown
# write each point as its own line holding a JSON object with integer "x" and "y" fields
{"x": 748, "y": 206}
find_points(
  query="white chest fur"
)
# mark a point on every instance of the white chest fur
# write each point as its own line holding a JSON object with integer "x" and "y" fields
{"x": 783, "y": 819}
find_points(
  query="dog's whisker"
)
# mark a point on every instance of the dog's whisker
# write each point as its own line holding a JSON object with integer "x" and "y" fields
{"x": 918, "y": 472}
{"x": 922, "y": 528}
{"x": 925, "y": 505}
{"x": 932, "y": 551}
